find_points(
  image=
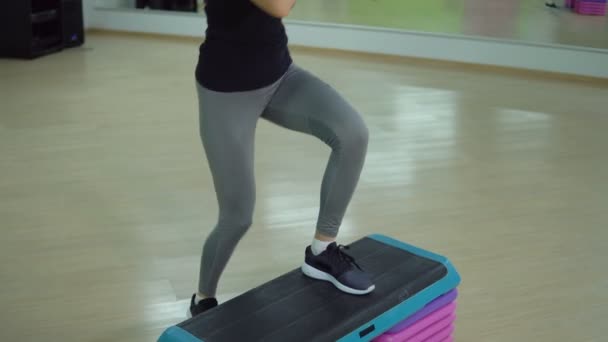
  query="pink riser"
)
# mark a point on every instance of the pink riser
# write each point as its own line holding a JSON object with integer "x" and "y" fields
{"x": 591, "y": 11}
{"x": 590, "y": 7}
{"x": 430, "y": 333}
{"x": 428, "y": 323}
{"x": 439, "y": 336}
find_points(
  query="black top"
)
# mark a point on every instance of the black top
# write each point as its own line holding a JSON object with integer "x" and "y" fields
{"x": 245, "y": 48}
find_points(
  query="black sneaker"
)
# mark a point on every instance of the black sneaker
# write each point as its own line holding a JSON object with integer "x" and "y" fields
{"x": 202, "y": 306}
{"x": 339, "y": 268}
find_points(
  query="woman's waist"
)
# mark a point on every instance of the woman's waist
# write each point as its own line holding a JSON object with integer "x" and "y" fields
{"x": 226, "y": 52}
{"x": 245, "y": 41}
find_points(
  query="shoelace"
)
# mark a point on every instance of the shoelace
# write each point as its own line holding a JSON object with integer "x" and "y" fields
{"x": 344, "y": 257}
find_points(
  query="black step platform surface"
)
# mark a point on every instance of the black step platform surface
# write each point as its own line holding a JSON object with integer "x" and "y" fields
{"x": 294, "y": 307}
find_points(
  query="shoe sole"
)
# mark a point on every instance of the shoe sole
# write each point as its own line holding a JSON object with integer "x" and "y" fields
{"x": 320, "y": 275}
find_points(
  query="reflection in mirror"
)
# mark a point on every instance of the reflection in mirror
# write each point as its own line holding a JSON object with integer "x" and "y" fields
{"x": 528, "y": 21}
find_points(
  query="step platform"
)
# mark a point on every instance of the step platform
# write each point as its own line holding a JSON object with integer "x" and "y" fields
{"x": 296, "y": 308}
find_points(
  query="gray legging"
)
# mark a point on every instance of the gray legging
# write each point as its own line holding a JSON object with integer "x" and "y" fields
{"x": 298, "y": 101}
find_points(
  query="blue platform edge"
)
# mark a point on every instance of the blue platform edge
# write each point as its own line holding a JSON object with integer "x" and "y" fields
{"x": 177, "y": 334}
{"x": 387, "y": 320}
{"x": 412, "y": 305}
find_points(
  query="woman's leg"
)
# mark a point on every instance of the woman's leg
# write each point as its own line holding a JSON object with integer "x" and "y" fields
{"x": 306, "y": 104}
{"x": 227, "y": 129}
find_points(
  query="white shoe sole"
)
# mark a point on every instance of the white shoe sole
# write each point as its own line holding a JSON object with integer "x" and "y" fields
{"x": 319, "y": 275}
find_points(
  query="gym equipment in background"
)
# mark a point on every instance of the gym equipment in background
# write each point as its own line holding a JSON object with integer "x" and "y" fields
{"x": 72, "y": 23}
{"x": 33, "y": 28}
{"x": 587, "y": 7}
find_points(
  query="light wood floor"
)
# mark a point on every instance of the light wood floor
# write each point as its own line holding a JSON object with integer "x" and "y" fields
{"x": 105, "y": 196}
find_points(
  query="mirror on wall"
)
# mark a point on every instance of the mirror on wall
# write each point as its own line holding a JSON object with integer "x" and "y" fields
{"x": 528, "y": 21}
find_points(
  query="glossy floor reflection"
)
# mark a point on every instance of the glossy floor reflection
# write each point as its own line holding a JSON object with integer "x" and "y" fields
{"x": 105, "y": 197}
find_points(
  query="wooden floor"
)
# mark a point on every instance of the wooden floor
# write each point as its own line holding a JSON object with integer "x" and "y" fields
{"x": 105, "y": 196}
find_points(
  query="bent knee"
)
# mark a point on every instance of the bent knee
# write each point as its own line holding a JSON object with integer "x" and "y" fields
{"x": 353, "y": 136}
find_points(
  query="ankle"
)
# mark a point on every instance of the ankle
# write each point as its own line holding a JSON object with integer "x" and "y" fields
{"x": 325, "y": 238}
{"x": 200, "y": 297}
{"x": 318, "y": 246}
{"x": 201, "y": 303}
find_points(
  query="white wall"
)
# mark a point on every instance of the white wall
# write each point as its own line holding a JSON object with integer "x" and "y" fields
{"x": 149, "y": 21}
{"x": 88, "y": 6}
